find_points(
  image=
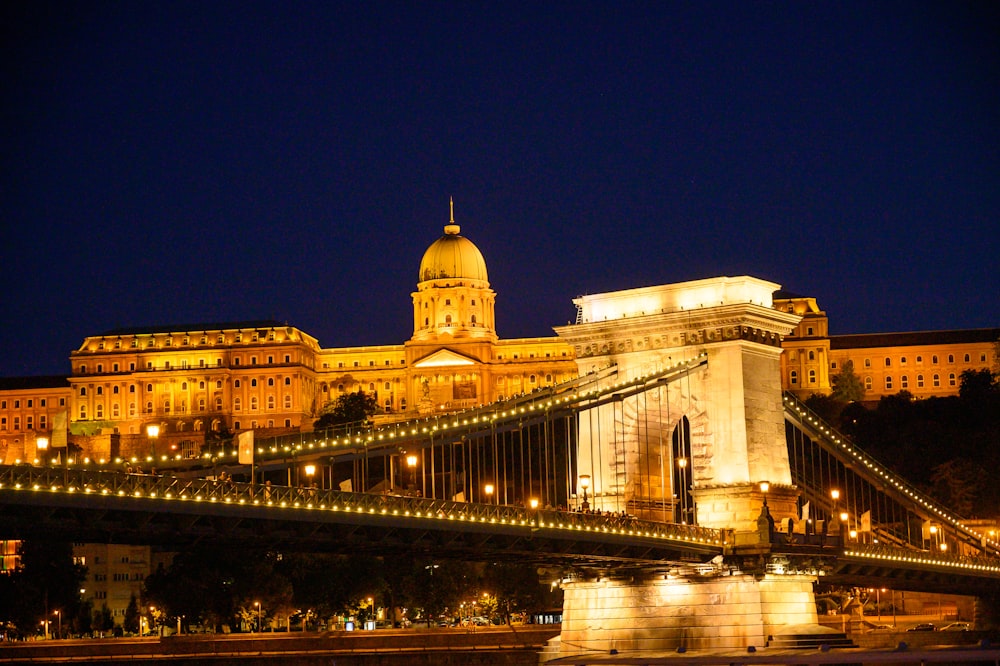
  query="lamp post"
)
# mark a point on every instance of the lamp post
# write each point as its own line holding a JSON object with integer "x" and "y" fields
{"x": 488, "y": 489}
{"x": 41, "y": 444}
{"x": 58, "y": 615}
{"x": 260, "y": 625}
{"x": 585, "y": 483}
{"x": 682, "y": 463}
{"x": 152, "y": 432}
{"x": 411, "y": 462}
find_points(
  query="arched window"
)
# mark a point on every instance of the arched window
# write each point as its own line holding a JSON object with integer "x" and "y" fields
{"x": 184, "y": 386}
{"x": 201, "y": 404}
{"x": 680, "y": 442}
{"x": 288, "y": 381}
{"x": 218, "y": 384}
{"x": 402, "y": 403}
{"x": 270, "y": 402}
{"x": 288, "y": 402}
{"x": 218, "y": 404}
{"x": 237, "y": 384}
{"x": 447, "y": 320}
{"x": 473, "y": 320}
{"x": 83, "y": 391}
{"x": 793, "y": 377}
{"x": 149, "y": 407}
{"x": 812, "y": 356}
{"x": 868, "y": 383}
{"x": 131, "y": 409}
{"x": 83, "y": 412}
{"x": 888, "y": 383}
{"x": 270, "y": 381}
{"x": 237, "y": 405}
{"x": 253, "y": 404}
{"x": 253, "y": 383}
{"x": 371, "y": 387}
{"x": 100, "y": 390}
{"x": 812, "y": 376}
{"x": 115, "y": 411}
{"x": 114, "y": 390}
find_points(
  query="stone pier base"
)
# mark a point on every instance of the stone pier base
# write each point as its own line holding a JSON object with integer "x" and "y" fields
{"x": 719, "y": 612}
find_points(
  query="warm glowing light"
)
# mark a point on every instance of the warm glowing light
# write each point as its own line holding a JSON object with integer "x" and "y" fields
{"x": 42, "y": 443}
{"x": 584, "y": 481}
{"x": 310, "y": 470}
{"x": 835, "y": 494}
{"x": 152, "y": 430}
{"x": 411, "y": 460}
{"x": 764, "y": 486}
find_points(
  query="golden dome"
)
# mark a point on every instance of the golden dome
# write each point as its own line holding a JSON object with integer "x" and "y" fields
{"x": 453, "y": 256}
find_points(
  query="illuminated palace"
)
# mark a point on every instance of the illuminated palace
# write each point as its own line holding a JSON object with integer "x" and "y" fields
{"x": 274, "y": 378}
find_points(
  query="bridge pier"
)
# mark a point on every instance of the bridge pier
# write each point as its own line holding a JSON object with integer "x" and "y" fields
{"x": 667, "y": 612}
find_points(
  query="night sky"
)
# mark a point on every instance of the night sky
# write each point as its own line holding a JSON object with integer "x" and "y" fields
{"x": 184, "y": 162}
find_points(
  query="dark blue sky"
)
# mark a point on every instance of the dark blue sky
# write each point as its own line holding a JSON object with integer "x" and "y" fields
{"x": 177, "y": 162}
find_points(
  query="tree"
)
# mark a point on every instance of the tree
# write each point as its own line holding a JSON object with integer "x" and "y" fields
{"x": 103, "y": 619}
{"x": 47, "y": 580}
{"x": 131, "y": 620}
{"x": 348, "y": 408}
{"x": 847, "y": 386}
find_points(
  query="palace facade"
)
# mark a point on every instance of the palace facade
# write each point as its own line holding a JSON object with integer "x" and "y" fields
{"x": 271, "y": 377}
{"x": 924, "y": 363}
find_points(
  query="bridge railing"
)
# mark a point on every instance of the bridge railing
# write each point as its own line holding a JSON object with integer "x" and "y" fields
{"x": 169, "y": 488}
{"x": 872, "y": 481}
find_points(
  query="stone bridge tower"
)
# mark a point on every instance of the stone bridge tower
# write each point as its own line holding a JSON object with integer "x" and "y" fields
{"x": 697, "y": 449}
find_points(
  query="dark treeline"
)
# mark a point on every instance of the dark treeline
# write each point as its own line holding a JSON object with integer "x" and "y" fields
{"x": 949, "y": 447}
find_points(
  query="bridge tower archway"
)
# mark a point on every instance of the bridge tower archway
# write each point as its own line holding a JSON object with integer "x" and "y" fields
{"x": 695, "y": 448}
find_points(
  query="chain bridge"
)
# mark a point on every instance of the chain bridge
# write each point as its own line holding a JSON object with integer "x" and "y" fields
{"x": 685, "y": 500}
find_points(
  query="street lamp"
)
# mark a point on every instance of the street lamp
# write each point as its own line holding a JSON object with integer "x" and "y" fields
{"x": 41, "y": 444}
{"x": 764, "y": 487}
{"x": 585, "y": 483}
{"x": 488, "y": 489}
{"x": 682, "y": 463}
{"x": 411, "y": 462}
{"x": 152, "y": 432}
{"x": 58, "y": 615}
{"x": 260, "y": 625}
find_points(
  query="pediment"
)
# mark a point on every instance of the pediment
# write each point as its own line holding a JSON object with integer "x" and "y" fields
{"x": 444, "y": 358}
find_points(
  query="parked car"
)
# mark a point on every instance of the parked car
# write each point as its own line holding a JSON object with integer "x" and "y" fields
{"x": 957, "y": 626}
{"x": 923, "y": 626}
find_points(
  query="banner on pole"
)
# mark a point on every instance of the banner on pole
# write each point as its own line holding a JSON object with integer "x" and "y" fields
{"x": 245, "y": 443}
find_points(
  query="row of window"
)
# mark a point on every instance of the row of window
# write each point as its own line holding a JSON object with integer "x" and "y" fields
{"x": 904, "y": 381}
{"x": 180, "y": 408}
{"x": 186, "y": 340}
{"x": 238, "y": 383}
{"x": 29, "y": 422}
{"x": 887, "y": 361}
{"x": 183, "y": 364}
{"x": 30, "y": 403}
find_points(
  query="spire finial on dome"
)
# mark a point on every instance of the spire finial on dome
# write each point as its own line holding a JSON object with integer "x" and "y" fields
{"x": 451, "y": 228}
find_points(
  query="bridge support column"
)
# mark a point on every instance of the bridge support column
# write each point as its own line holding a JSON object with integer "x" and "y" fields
{"x": 666, "y": 613}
